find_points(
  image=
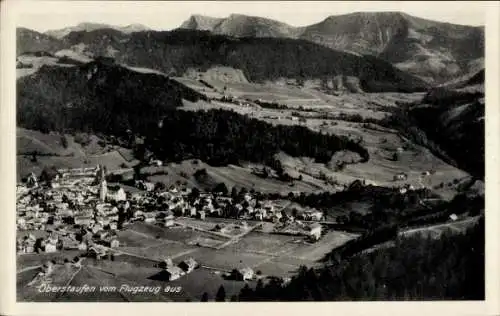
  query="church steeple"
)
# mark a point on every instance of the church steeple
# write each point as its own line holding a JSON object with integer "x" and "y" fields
{"x": 103, "y": 190}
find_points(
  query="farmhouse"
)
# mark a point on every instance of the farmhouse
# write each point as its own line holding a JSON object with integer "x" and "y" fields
{"x": 82, "y": 246}
{"x": 400, "y": 177}
{"x": 114, "y": 243}
{"x": 188, "y": 265}
{"x": 96, "y": 252}
{"x": 244, "y": 274}
{"x": 50, "y": 247}
{"x": 201, "y": 215}
{"x": 48, "y": 267}
{"x": 315, "y": 231}
{"x": 173, "y": 273}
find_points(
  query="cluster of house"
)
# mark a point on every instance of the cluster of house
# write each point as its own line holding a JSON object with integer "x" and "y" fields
{"x": 173, "y": 272}
{"x": 82, "y": 210}
{"x": 74, "y": 212}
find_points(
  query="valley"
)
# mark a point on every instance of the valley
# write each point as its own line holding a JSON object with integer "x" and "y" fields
{"x": 264, "y": 163}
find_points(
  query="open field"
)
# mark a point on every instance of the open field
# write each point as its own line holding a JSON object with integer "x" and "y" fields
{"x": 176, "y": 234}
{"x": 131, "y": 238}
{"x": 167, "y": 249}
{"x": 434, "y": 231}
{"x": 51, "y": 152}
{"x": 231, "y": 175}
{"x": 36, "y": 62}
{"x": 329, "y": 241}
{"x": 269, "y": 244}
{"x": 29, "y": 289}
{"x": 253, "y": 250}
{"x": 35, "y": 259}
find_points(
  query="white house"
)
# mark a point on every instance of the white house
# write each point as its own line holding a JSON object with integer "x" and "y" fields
{"x": 173, "y": 273}
{"x": 118, "y": 195}
{"x": 115, "y": 243}
{"x": 315, "y": 231}
{"x": 50, "y": 247}
{"x": 246, "y": 274}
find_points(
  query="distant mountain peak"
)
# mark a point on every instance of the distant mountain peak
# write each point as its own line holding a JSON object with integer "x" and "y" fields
{"x": 91, "y": 26}
{"x": 200, "y": 22}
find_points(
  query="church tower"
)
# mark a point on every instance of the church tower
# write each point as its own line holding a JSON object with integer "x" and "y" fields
{"x": 103, "y": 190}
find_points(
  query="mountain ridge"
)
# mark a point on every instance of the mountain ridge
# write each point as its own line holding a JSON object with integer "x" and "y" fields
{"x": 436, "y": 51}
{"x": 88, "y": 26}
{"x": 260, "y": 59}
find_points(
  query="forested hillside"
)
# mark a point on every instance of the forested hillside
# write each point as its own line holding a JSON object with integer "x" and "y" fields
{"x": 453, "y": 117}
{"x": 31, "y": 41}
{"x": 222, "y": 137}
{"x": 98, "y": 97}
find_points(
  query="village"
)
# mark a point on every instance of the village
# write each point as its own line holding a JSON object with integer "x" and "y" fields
{"x": 76, "y": 209}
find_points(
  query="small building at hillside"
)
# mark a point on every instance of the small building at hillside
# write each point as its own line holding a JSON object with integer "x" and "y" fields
{"x": 315, "y": 231}
{"x": 400, "y": 177}
{"x": 244, "y": 274}
{"x": 173, "y": 273}
{"x": 188, "y": 265}
{"x": 169, "y": 223}
{"x": 114, "y": 243}
{"x": 201, "y": 215}
{"x": 50, "y": 247}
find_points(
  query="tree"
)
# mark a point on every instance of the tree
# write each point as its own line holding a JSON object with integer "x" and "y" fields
{"x": 221, "y": 295}
{"x": 195, "y": 193}
{"x": 246, "y": 293}
{"x": 234, "y": 298}
{"x": 204, "y": 297}
{"x": 64, "y": 141}
{"x": 221, "y": 188}
{"x": 395, "y": 157}
{"x": 137, "y": 172}
{"x": 234, "y": 192}
{"x": 264, "y": 173}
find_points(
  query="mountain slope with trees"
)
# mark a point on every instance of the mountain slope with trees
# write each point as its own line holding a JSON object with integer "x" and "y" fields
{"x": 98, "y": 96}
{"x": 28, "y": 41}
{"x": 454, "y": 117}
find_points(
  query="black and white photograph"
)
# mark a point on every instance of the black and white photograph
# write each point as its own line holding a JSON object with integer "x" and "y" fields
{"x": 247, "y": 151}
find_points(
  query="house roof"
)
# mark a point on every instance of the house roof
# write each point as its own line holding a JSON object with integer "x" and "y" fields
{"x": 174, "y": 270}
{"x": 190, "y": 262}
{"x": 245, "y": 270}
{"x": 314, "y": 226}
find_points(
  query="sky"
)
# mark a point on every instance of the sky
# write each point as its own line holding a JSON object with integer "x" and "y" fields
{"x": 166, "y": 15}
